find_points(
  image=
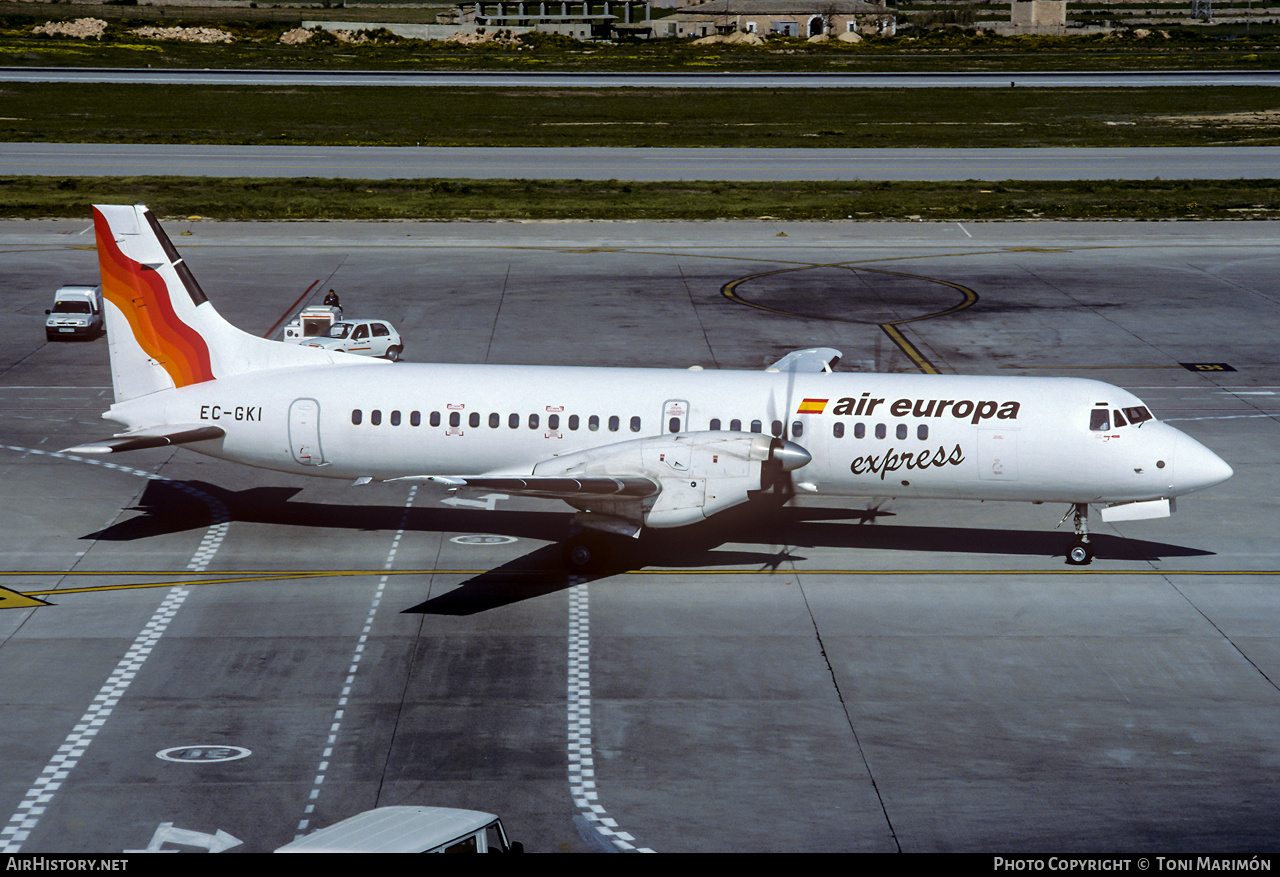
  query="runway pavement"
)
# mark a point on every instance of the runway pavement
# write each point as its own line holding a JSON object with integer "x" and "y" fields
{"x": 605, "y": 163}
{"x": 245, "y": 652}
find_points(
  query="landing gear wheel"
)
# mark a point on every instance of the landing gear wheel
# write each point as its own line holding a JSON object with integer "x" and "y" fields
{"x": 585, "y": 552}
{"x": 1079, "y": 553}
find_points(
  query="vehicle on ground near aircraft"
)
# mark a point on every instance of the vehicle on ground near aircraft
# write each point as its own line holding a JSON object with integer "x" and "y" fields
{"x": 409, "y": 829}
{"x": 628, "y": 448}
{"x": 362, "y": 337}
{"x": 312, "y": 321}
{"x": 76, "y": 313}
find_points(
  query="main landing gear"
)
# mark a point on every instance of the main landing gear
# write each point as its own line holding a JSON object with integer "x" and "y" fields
{"x": 586, "y": 551}
{"x": 1079, "y": 551}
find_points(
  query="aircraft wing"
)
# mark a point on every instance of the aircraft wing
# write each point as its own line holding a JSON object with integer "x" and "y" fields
{"x": 152, "y": 437}
{"x": 813, "y": 359}
{"x": 658, "y": 481}
{"x": 549, "y": 486}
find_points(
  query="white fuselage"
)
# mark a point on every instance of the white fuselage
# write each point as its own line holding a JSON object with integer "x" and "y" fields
{"x": 999, "y": 438}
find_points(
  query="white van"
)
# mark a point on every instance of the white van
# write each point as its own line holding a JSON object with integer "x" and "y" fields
{"x": 76, "y": 313}
{"x": 409, "y": 829}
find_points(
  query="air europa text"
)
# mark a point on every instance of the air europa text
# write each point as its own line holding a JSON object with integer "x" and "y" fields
{"x": 958, "y": 408}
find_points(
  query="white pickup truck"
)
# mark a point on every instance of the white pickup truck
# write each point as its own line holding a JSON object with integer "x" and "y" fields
{"x": 76, "y": 313}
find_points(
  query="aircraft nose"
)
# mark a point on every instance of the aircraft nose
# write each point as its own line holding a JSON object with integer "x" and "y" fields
{"x": 1197, "y": 467}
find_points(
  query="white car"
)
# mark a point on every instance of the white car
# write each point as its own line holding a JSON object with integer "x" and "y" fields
{"x": 365, "y": 337}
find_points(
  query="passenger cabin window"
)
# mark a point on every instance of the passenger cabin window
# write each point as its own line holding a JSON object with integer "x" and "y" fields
{"x": 797, "y": 429}
{"x": 881, "y": 432}
{"x": 757, "y": 426}
{"x": 593, "y": 422}
{"x": 474, "y": 419}
{"x": 922, "y": 432}
{"x": 395, "y": 418}
{"x": 356, "y": 416}
{"x": 434, "y": 419}
{"x": 837, "y": 429}
{"x": 859, "y": 430}
{"x": 735, "y": 425}
{"x": 1100, "y": 420}
{"x": 776, "y": 428}
{"x": 495, "y": 420}
{"x": 714, "y": 426}
{"x": 635, "y": 424}
{"x": 533, "y": 421}
{"x": 455, "y": 419}
{"x": 614, "y": 422}
{"x": 513, "y": 421}
{"x": 573, "y": 421}
{"x": 375, "y": 417}
{"x": 553, "y": 421}
{"x": 901, "y": 431}
{"x": 415, "y": 418}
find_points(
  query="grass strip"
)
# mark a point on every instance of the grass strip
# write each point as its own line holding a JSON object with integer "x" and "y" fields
{"x": 640, "y": 117}
{"x": 328, "y": 199}
{"x": 1251, "y": 45}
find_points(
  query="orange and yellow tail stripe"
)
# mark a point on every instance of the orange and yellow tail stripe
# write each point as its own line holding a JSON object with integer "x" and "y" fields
{"x": 143, "y": 297}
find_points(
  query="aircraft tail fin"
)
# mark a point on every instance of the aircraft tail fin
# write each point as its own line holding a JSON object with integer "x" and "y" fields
{"x": 162, "y": 331}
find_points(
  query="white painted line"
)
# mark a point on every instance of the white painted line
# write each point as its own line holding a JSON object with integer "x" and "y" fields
{"x": 582, "y": 772}
{"x": 32, "y": 806}
{"x": 322, "y": 771}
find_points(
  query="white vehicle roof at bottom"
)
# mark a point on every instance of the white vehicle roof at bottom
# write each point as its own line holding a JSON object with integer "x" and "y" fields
{"x": 403, "y": 829}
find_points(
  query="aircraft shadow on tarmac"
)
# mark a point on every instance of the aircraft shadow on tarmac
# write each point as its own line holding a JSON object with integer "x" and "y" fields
{"x": 766, "y": 522}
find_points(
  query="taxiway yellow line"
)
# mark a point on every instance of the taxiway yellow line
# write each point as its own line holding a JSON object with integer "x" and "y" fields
{"x": 246, "y": 576}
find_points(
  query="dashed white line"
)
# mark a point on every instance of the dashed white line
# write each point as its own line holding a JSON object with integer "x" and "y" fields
{"x": 35, "y": 801}
{"x": 582, "y": 772}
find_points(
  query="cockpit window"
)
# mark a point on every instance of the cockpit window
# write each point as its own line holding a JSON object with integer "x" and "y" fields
{"x": 1119, "y": 419}
{"x": 1138, "y": 415}
{"x": 1100, "y": 420}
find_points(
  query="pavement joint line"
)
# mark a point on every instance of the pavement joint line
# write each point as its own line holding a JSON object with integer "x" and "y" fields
{"x": 27, "y": 815}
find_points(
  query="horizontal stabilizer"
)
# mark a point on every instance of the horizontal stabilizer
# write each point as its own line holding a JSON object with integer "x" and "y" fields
{"x": 158, "y": 437}
{"x": 550, "y": 487}
{"x": 812, "y": 359}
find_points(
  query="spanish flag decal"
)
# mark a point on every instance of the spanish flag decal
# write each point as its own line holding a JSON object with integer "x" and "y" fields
{"x": 812, "y": 406}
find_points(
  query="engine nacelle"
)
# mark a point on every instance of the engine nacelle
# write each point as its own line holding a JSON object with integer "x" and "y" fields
{"x": 700, "y": 473}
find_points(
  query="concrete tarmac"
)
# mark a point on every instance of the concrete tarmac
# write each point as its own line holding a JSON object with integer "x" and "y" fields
{"x": 641, "y": 164}
{"x": 229, "y": 658}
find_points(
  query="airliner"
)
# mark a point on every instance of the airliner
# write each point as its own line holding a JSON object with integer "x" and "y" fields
{"x": 627, "y": 448}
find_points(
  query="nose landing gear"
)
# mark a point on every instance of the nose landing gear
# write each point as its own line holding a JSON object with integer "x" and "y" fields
{"x": 1079, "y": 551}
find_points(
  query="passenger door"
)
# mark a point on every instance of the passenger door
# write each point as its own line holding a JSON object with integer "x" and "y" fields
{"x": 304, "y": 432}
